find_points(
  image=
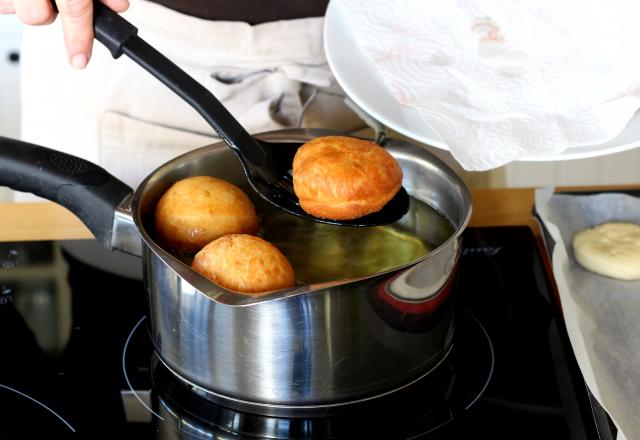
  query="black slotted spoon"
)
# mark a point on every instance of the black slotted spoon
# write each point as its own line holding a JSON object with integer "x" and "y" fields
{"x": 267, "y": 165}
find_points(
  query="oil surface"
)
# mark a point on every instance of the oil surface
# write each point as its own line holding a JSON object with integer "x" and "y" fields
{"x": 319, "y": 252}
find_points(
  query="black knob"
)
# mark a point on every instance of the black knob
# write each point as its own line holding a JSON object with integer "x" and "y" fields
{"x": 13, "y": 57}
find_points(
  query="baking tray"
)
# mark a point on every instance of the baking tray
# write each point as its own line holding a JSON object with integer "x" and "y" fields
{"x": 606, "y": 428}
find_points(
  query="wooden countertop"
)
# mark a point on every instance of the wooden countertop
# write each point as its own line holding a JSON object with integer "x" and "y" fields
{"x": 48, "y": 221}
{"x": 39, "y": 221}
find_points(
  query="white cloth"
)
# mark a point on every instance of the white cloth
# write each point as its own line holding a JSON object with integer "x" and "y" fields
{"x": 500, "y": 80}
{"x": 117, "y": 115}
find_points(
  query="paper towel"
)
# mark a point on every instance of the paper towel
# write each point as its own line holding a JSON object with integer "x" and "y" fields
{"x": 600, "y": 313}
{"x": 500, "y": 80}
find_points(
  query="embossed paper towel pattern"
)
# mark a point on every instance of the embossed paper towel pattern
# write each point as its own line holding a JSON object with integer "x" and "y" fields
{"x": 504, "y": 80}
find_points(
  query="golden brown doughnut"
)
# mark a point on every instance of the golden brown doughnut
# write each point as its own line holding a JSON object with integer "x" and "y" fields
{"x": 199, "y": 209}
{"x": 244, "y": 263}
{"x": 343, "y": 178}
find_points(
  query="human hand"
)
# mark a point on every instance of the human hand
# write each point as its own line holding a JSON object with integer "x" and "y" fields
{"x": 77, "y": 21}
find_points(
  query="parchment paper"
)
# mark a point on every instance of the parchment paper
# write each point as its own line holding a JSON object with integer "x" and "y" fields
{"x": 602, "y": 314}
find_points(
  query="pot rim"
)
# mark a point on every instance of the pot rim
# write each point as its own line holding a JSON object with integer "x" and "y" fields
{"x": 219, "y": 294}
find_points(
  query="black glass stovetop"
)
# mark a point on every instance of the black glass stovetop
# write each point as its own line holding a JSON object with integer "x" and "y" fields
{"x": 75, "y": 356}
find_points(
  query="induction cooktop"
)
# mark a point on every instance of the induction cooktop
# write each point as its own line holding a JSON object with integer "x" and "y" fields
{"x": 76, "y": 357}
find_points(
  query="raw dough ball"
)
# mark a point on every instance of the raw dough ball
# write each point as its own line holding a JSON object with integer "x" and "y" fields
{"x": 199, "y": 209}
{"x": 244, "y": 263}
{"x": 610, "y": 249}
{"x": 343, "y": 178}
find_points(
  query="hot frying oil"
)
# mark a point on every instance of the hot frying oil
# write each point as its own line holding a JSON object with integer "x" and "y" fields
{"x": 319, "y": 252}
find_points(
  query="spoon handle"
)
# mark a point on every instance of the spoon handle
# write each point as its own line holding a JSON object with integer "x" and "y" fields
{"x": 120, "y": 37}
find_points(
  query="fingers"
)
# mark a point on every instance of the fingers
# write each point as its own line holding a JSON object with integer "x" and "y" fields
{"x": 34, "y": 12}
{"x": 117, "y": 5}
{"x": 77, "y": 23}
{"x": 6, "y": 7}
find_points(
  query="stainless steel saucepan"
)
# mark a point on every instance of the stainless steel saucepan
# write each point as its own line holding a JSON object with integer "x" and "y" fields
{"x": 311, "y": 346}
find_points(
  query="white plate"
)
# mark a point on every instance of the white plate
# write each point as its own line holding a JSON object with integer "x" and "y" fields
{"x": 362, "y": 82}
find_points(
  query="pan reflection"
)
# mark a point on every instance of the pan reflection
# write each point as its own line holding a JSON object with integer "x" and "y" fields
{"x": 186, "y": 415}
{"x": 33, "y": 280}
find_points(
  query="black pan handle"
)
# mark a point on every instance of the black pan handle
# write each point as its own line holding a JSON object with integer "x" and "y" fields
{"x": 84, "y": 188}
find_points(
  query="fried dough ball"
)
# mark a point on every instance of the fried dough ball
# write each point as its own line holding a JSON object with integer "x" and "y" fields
{"x": 200, "y": 209}
{"x": 343, "y": 178}
{"x": 244, "y": 263}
